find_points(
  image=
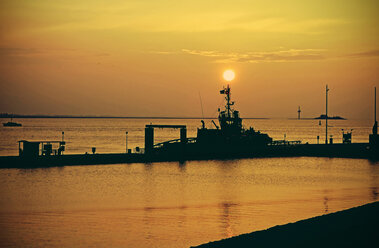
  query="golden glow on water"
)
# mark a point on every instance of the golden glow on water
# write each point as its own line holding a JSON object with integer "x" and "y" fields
{"x": 174, "y": 205}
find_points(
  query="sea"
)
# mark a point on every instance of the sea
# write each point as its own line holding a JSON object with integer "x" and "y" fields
{"x": 171, "y": 204}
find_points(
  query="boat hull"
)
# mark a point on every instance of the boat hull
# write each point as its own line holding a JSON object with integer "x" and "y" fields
{"x": 12, "y": 124}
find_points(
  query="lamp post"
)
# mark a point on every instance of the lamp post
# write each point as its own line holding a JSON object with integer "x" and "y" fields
{"x": 126, "y": 142}
{"x": 326, "y": 115}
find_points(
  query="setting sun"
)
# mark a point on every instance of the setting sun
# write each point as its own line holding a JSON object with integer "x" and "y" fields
{"x": 229, "y": 75}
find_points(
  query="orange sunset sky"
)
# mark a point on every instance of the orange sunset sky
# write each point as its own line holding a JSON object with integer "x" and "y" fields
{"x": 152, "y": 58}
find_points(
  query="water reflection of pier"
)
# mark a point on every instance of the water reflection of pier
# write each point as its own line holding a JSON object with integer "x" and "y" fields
{"x": 374, "y": 181}
{"x": 326, "y": 200}
{"x": 226, "y": 222}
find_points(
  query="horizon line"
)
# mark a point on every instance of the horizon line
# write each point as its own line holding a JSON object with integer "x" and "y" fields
{"x": 6, "y": 115}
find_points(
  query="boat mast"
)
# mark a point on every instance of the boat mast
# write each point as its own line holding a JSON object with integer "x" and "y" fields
{"x": 228, "y": 109}
{"x": 326, "y": 115}
{"x": 228, "y": 104}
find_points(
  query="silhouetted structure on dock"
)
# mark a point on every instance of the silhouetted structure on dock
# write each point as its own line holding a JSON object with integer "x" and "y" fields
{"x": 346, "y": 137}
{"x": 34, "y": 149}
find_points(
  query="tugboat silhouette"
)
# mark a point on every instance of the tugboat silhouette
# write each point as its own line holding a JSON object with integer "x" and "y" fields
{"x": 227, "y": 139}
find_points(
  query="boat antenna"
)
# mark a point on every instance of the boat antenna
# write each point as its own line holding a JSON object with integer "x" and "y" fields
{"x": 201, "y": 104}
{"x": 326, "y": 115}
{"x": 375, "y": 127}
{"x": 375, "y": 104}
{"x": 226, "y": 91}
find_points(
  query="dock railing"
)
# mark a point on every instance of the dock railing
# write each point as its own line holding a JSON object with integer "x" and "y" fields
{"x": 159, "y": 145}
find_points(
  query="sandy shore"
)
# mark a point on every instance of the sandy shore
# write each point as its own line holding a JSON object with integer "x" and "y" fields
{"x": 355, "y": 227}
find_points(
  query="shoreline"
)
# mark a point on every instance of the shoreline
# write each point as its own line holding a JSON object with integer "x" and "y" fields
{"x": 354, "y": 227}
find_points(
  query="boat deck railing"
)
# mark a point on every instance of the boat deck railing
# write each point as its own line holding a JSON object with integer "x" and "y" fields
{"x": 193, "y": 140}
{"x": 284, "y": 142}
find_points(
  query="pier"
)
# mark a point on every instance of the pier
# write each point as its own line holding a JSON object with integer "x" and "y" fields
{"x": 354, "y": 150}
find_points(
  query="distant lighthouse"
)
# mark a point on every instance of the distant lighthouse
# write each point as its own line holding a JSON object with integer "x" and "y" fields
{"x": 298, "y": 113}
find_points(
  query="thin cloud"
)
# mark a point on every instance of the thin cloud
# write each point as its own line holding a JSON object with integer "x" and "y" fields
{"x": 161, "y": 52}
{"x": 255, "y": 57}
{"x": 103, "y": 54}
{"x": 16, "y": 51}
{"x": 371, "y": 53}
{"x": 34, "y": 52}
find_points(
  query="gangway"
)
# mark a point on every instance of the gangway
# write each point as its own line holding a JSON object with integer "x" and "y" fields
{"x": 149, "y": 135}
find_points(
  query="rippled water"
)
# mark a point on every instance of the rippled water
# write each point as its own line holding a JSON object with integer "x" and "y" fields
{"x": 169, "y": 204}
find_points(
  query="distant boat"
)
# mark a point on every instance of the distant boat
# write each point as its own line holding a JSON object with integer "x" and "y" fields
{"x": 323, "y": 117}
{"x": 12, "y": 124}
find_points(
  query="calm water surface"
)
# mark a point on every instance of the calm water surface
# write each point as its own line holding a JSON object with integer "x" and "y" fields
{"x": 169, "y": 204}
